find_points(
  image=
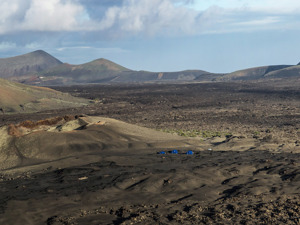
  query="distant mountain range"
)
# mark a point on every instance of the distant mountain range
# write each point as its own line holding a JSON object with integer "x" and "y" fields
{"x": 40, "y": 68}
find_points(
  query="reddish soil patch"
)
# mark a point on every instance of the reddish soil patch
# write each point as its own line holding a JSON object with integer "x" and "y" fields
{"x": 46, "y": 122}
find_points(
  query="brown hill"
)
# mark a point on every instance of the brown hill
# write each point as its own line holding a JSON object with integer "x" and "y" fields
{"x": 252, "y": 73}
{"x": 17, "y": 98}
{"x": 27, "y": 64}
{"x": 96, "y": 71}
{"x": 293, "y": 71}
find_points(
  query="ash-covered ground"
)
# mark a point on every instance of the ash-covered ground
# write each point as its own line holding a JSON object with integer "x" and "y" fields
{"x": 250, "y": 175}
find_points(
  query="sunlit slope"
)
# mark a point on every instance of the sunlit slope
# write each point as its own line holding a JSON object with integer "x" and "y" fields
{"x": 293, "y": 71}
{"x": 97, "y": 70}
{"x": 255, "y": 73}
{"x": 16, "y": 97}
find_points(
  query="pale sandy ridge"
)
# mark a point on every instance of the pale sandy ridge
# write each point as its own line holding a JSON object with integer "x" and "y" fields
{"x": 74, "y": 141}
{"x": 23, "y": 148}
{"x": 20, "y": 98}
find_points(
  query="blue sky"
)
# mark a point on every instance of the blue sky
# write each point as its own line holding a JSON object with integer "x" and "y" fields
{"x": 155, "y": 35}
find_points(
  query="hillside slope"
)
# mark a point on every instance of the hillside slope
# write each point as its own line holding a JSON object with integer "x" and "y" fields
{"x": 293, "y": 71}
{"x": 252, "y": 73}
{"x": 84, "y": 135}
{"x": 105, "y": 71}
{"x": 26, "y": 64}
{"x": 92, "y": 72}
{"x": 20, "y": 98}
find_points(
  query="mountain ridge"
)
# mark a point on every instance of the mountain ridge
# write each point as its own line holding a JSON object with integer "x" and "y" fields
{"x": 40, "y": 68}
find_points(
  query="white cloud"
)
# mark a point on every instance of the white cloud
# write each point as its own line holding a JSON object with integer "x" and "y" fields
{"x": 194, "y": 17}
{"x": 7, "y": 45}
{"x": 40, "y": 15}
{"x": 148, "y": 17}
{"x": 9, "y": 14}
{"x": 7, "y": 9}
{"x": 259, "y": 22}
{"x": 33, "y": 45}
{"x": 274, "y": 6}
{"x": 52, "y": 15}
{"x": 94, "y": 49}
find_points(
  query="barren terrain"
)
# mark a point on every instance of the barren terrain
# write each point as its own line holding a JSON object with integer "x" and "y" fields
{"x": 241, "y": 107}
{"x": 244, "y": 170}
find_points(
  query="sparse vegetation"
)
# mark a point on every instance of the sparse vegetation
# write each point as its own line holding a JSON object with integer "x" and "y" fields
{"x": 196, "y": 133}
{"x": 256, "y": 133}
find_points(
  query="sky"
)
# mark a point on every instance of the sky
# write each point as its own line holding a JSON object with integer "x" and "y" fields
{"x": 156, "y": 35}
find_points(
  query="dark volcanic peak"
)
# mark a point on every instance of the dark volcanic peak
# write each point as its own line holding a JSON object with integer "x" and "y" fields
{"x": 27, "y": 64}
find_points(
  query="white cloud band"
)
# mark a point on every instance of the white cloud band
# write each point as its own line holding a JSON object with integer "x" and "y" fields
{"x": 147, "y": 17}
